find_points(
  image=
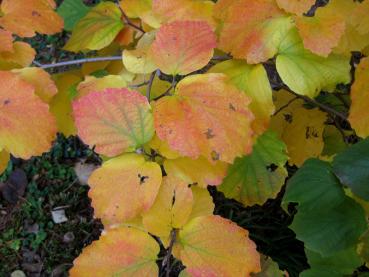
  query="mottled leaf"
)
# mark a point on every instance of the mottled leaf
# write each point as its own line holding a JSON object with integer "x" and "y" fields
{"x": 123, "y": 252}
{"x": 21, "y": 56}
{"x": 114, "y": 120}
{"x": 206, "y": 116}
{"x": 92, "y": 84}
{"x": 297, "y": 7}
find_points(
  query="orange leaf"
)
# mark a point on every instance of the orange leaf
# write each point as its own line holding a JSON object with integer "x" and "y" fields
{"x": 27, "y": 127}
{"x": 296, "y": 6}
{"x": 359, "y": 111}
{"x": 322, "y": 32}
{"x": 206, "y": 116}
{"x": 251, "y": 30}
{"x": 182, "y": 47}
{"x": 114, "y": 120}
{"x": 123, "y": 252}
{"x": 215, "y": 246}
{"x": 124, "y": 187}
{"x": 175, "y": 10}
{"x": 4, "y": 160}
{"x": 41, "y": 80}
{"x": 24, "y": 18}
{"x": 6, "y": 39}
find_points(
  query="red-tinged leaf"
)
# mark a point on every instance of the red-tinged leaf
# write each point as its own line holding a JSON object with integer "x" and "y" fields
{"x": 215, "y": 246}
{"x": 206, "y": 116}
{"x": 124, "y": 187}
{"x": 123, "y": 252}
{"x": 114, "y": 120}
{"x": 296, "y": 6}
{"x": 6, "y": 39}
{"x": 25, "y": 18}
{"x": 27, "y": 127}
{"x": 251, "y": 30}
{"x": 182, "y": 47}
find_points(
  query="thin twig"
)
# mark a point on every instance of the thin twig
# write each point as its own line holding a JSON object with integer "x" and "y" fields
{"x": 127, "y": 20}
{"x": 166, "y": 260}
{"x": 318, "y": 104}
{"x": 151, "y": 81}
{"x": 286, "y": 105}
{"x": 167, "y": 92}
{"x": 139, "y": 85}
{"x": 79, "y": 61}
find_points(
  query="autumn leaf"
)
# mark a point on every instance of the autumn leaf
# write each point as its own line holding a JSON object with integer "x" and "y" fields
{"x": 174, "y": 53}
{"x": 298, "y": 126}
{"x": 260, "y": 175}
{"x": 21, "y": 56}
{"x": 92, "y": 84}
{"x": 6, "y": 39}
{"x": 123, "y": 252}
{"x": 4, "y": 160}
{"x": 202, "y": 203}
{"x": 297, "y": 7}
{"x": 306, "y": 73}
{"x": 140, "y": 9}
{"x": 226, "y": 251}
{"x": 200, "y": 171}
{"x": 251, "y": 30}
{"x": 253, "y": 81}
{"x": 139, "y": 60}
{"x": 97, "y": 29}
{"x": 269, "y": 268}
{"x": 359, "y": 110}
{"x": 162, "y": 148}
{"x": 124, "y": 187}
{"x": 177, "y": 10}
{"x": 61, "y": 104}
{"x": 45, "y": 87}
{"x": 114, "y": 120}
{"x": 27, "y": 127}
{"x": 26, "y": 18}
{"x": 171, "y": 209}
{"x": 72, "y": 11}
{"x": 206, "y": 116}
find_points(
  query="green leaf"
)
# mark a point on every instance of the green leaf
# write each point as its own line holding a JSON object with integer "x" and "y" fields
{"x": 314, "y": 187}
{"x": 255, "y": 178}
{"x": 72, "y": 11}
{"x": 352, "y": 168}
{"x": 327, "y": 220}
{"x": 337, "y": 265}
{"x": 97, "y": 29}
{"x": 306, "y": 73}
{"x": 327, "y": 231}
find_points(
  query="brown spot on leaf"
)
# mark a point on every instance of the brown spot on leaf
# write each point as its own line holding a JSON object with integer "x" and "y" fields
{"x": 310, "y": 132}
{"x": 231, "y": 107}
{"x": 142, "y": 178}
{"x": 215, "y": 155}
{"x": 35, "y": 13}
{"x": 6, "y": 102}
{"x": 288, "y": 117}
{"x": 209, "y": 134}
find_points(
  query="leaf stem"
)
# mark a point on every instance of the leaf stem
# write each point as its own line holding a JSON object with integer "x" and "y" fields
{"x": 151, "y": 81}
{"x": 79, "y": 61}
{"x": 166, "y": 260}
{"x": 127, "y": 20}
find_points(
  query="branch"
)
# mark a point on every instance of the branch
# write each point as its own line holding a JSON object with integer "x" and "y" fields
{"x": 79, "y": 61}
{"x": 166, "y": 260}
{"x": 152, "y": 77}
{"x": 318, "y": 104}
{"x": 127, "y": 20}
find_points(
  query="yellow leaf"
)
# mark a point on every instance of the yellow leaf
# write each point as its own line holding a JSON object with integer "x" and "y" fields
{"x": 207, "y": 116}
{"x": 6, "y": 39}
{"x": 91, "y": 84}
{"x": 253, "y": 80}
{"x": 21, "y": 56}
{"x": 61, "y": 104}
{"x": 215, "y": 246}
{"x": 124, "y": 187}
{"x": 298, "y": 7}
{"x": 25, "y": 18}
{"x": 97, "y": 29}
{"x": 27, "y": 127}
{"x": 359, "y": 110}
{"x": 299, "y": 126}
{"x": 45, "y": 87}
{"x": 140, "y": 9}
{"x": 171, "y": 208}
{"x": 199, "y": 171}
{"x": 163, "y": 148}
{"x": 123, "y": 252}
{"x": 202, "y": 203}
{"x": 4, "y": 160}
